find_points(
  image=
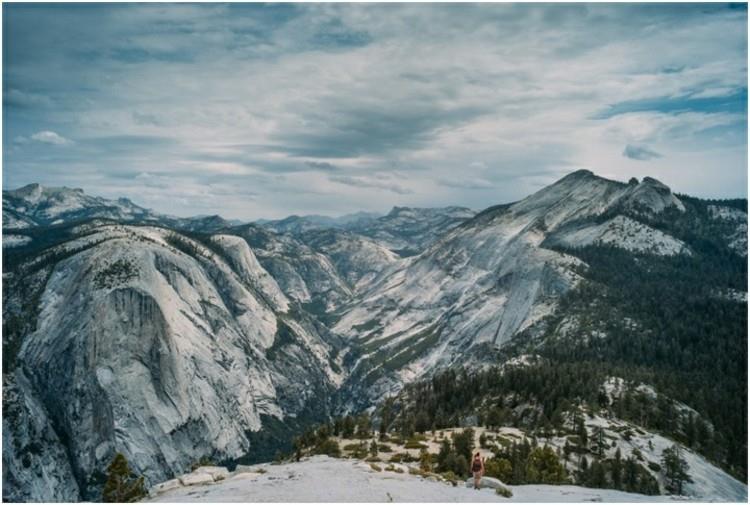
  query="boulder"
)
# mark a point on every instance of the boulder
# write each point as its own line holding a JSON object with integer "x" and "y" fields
{"x": 216, "y": 472}
{"x": 195, "y": 478}
{"x": 486, "y": 482}
{"x": 245, "y": 469}
{"x": 163, "y": 487}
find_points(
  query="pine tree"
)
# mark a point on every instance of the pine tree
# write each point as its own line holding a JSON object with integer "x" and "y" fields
{"x": 631, "y": 474}
{"x": 600, "y": 443}
{"x": 544, "y": 467}
{"x": 422, "y": 422}
{"x": 597, "y": 476}
{"x": 122, "y": 485}
{"x": 617, "y": 470}
{"x": 364, "y": 426}
{"x": 463, "y": 443}
{"x": 582, "y": 432}
{"x": 675, "y": 469}
{"x": 347, "y": 428}
{"x": 442, "y": 457}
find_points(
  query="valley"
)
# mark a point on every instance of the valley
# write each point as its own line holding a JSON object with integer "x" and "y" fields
{"x": 171, "y": 340}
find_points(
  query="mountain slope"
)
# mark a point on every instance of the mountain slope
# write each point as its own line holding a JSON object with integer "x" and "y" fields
{"x": 151, "y": 344}
{"x": 409, "y": 230}
{"x": 172, "y": 339}
{"x": 491, "y": 277}
{"x": 37, "y": 205}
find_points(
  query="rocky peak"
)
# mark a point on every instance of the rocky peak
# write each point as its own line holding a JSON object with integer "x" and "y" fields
{"x": 653, "y": 196}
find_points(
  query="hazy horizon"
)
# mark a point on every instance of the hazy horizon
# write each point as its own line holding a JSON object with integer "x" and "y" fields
{"x": 265, "y": 111}
{"x": 381, "y": 212}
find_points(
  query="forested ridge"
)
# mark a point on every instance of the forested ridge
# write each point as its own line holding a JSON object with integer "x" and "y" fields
{"x": 665, "y": 321}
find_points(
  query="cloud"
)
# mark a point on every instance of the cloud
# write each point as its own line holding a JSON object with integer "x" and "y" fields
{"x": 50, "y": 137}
{"x": 710, "y": 99}
{"x": 25, "y": 99}
{"x": 471, "y": 183}
{"x": 640, "y": 153}
{"x": 344, "y": 107}
{"x": 366, "y": 182}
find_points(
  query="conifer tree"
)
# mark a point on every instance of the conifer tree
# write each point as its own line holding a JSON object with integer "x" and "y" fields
{"x": 122, "y": 485}
{"x": 675, "y": 469}
{"x": 617, "y": 470}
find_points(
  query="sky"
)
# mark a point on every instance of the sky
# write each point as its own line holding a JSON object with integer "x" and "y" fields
{"x": 265, "y": 110}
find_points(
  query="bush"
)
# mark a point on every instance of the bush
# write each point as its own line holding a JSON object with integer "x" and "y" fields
{"x": 376, "y": 467}
{"x": 450, "y": 477}
{"x": 499, "y": 468}
{"x": 656, "y": 467}
{"x": 403, "y": 457}
{"x": 329, "y": 447}
{"x": 414, "y": 444}
{"x": 204, "y": 461}
{"x": 504, "y": 492}
{"x": 122, "y": 484}
{"x": 384, "y": 448}
{"x": 425, "y": 461}
{"x": 544, "y": 467}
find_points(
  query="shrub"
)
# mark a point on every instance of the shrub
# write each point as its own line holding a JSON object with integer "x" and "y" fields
{"x": 122, "y": 484}
{"x": 329, "y": 447}
{"x": 544, "y": 467}
{"x": 384, "y": 448}
{"x": 500, "y": 468}
{"x": 450, "y": 477}
{"x": 504, "y": 492}
{"x": 375, "y": 467}
{"x": 403, "y": 457}
{"x": 425, "y": 461}
{"x": 204, "y": 461}
{"x": 414, "y": 444}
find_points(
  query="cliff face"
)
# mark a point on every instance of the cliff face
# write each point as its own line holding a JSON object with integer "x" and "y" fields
{"x": 165, "y": 355}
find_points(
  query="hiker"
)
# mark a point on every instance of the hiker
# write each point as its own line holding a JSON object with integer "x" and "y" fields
{"x": 477, "y": 469}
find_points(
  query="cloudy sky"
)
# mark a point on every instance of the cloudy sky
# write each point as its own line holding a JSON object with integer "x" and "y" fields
{"x": 256, "y": 111}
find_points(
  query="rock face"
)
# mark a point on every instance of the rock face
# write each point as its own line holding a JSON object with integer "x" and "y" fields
{"x": 491, "y": 277}
{"x": 624, "y": 232}
{"x": 153, "y": 345}
{"x": 170, "y": 347}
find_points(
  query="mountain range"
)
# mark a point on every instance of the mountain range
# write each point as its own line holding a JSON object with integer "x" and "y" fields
{"x": 173, "y": 339}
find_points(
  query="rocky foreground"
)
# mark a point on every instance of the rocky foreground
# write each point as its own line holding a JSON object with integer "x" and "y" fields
{"x": 324, "y": 479}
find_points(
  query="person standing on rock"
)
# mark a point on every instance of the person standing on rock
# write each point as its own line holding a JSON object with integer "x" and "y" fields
{"x": 477, "y": 468}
